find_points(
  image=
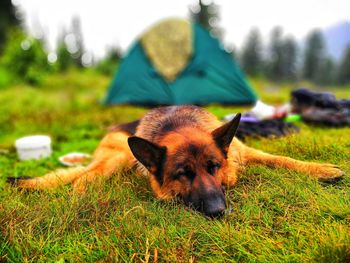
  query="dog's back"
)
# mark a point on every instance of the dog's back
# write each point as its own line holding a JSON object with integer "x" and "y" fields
{"x": 163, "y": 120}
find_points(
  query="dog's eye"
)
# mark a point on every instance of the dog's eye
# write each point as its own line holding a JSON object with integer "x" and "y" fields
{"x": 179, "y": 173}
{"x": 184, "y": 172}
{"x": 213, "y": 167}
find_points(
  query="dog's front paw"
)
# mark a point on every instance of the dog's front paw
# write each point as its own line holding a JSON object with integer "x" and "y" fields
{"x": 79, "y": 185}
{"x": 329, "y": 173}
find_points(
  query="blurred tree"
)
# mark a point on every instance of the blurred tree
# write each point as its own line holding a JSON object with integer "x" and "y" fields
{"x": 289, "y": 52}
{"x": 314, "y": 55}
{"x": 206, "y": 13}
{"x": 274, "y": 62}
{"x": 70, "y": 47}
{"x": 251, "y": 58}
{"x": 343, "y": 74}
{"x": 64, "y": 58}
{"x": 109, "y": 64}
{"x": 25, "y": 58}
{"x": 7, "y": 19}
{"x": 325, "y": 73}
{"x": 74, "y": 42}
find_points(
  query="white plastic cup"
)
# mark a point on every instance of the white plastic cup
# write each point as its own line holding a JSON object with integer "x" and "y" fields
{"x": 33, "y": 147}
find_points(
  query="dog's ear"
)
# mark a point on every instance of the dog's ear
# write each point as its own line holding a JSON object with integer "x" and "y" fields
{"x": 224, "y": 134}
{"x": 149, "y": 154}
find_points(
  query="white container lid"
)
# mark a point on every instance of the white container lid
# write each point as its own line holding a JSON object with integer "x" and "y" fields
{"x": 35, "y": 141}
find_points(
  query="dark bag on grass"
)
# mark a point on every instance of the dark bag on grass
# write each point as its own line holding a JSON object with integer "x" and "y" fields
{"x": 321, "y": 108}
{"x": 265, "y": 128}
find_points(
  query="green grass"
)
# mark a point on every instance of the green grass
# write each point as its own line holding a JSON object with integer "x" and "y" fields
{"x": 277, "y": 215}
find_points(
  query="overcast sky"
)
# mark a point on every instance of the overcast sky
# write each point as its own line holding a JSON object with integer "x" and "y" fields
{"x": 110, "y": 22}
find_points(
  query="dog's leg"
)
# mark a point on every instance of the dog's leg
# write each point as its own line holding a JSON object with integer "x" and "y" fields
{"x": 51, "y": 180}
{"x": 112, "y": 155}
{"x": 322, "y": 171}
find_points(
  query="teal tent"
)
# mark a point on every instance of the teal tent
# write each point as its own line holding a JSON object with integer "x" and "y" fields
{"x": 209, "y": 75}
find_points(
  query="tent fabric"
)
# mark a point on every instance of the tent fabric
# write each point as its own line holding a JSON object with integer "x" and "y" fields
{"x": 169, "y": 53}
{"x": 211, "y": 76}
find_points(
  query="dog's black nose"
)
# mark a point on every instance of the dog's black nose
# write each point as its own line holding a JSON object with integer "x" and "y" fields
{"x": 210, "y": 203}
{"x": 215, "y": 207}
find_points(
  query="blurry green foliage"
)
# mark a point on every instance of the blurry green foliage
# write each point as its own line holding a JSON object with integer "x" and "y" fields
{"x": 5, "y": 78}
{"x": 314, "y": 56}
{"x": 107, "y": 67}
{"x": 77, "y": 43}
{"x": 110, "y": 63}
{"x": 207, "y": 15}
{"x": 274, "y": 64}
{"x": 8, "y": 18}
{"x": 64, "y": 58}
{"x": 344, "y": 68}
{"x": 251, "y": 58}
{"x": 289, "y": 58}
{"x": 24, "y": 58}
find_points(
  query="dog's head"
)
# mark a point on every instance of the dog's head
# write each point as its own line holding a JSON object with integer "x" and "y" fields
{"x": 189, "y": 163}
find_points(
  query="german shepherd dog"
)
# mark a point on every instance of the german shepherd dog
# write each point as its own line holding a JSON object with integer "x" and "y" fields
{"x": 185, "y": 152}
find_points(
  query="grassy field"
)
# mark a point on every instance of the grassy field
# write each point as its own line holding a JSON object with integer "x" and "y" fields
{"x": 277, "y": 215}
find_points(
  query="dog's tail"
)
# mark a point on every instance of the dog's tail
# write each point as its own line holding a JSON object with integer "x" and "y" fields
{"x": 50, "y": 180}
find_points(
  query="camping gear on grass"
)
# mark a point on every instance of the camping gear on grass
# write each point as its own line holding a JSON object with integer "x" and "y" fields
{"x": 266, "y": 128}
{"x": 292, "y": 117}
{"x": 265, "y": 120}
{"x": 250, "y": 126}
{"x": 33, "y": 147}
{"x": 75, "y": 159}
{"x": 321, "y": 108}
{"x": 177, "y": 62}
{"x": 325, "y": 100}
{"x": 263, "y": 111}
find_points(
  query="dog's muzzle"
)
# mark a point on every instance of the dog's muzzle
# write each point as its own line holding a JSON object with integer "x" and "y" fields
{"x": 211, "y": 203}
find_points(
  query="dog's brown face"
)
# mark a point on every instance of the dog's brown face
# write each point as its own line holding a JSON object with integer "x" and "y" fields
{"x": 189, "y": 163}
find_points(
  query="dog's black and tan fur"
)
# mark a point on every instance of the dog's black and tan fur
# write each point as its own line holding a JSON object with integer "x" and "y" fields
{"x": 185, "y": 151}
